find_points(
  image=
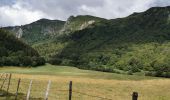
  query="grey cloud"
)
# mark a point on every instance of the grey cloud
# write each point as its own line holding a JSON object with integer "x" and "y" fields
{"x": 61, "y": 8}
{"x": 17, "y": 12}
{"x": 7, "y": 2}
{"x": 161, "y": 3}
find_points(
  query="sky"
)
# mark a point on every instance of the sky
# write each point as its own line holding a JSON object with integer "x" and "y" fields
{"x": 20, "y": 12}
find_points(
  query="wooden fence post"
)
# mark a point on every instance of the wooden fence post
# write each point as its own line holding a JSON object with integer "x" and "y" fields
{"x": 70, "y": 90}
{"x": 9, "y": 82}
{"x": 4, "y": 81}
{"x": 17, "y": 89}
{"x": 135, "y": 96}
{"x": 47, "y": 91}
{"x": 2, "y": 74}
{"x": 29, "y": 90}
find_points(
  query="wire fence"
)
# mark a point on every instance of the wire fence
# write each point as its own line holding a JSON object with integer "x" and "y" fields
{"x": 51, "y": 90}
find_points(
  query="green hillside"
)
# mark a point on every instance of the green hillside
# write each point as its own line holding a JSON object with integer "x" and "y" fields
{"x": 57, "y": 43}
{"x": 39, "y": 31}
{"x": 137, "y": 43}
{"x": 13, "y": 52}
{"x": 75, "y": 23}
{"x": 49, "y": 37}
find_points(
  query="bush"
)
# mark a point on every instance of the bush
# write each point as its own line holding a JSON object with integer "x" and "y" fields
{"x": 26, "y": 61}
{"x": 55, "y": 61}
{"x": 21, "y": 61}
{"x": 37, "y": 61}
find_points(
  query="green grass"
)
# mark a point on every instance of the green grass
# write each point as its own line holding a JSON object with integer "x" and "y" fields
{"x": 107, "y": 85}
{"x": 71, "y": 71}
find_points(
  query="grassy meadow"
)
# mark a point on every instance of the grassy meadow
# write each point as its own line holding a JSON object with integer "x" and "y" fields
{"x": 87, "y": 85}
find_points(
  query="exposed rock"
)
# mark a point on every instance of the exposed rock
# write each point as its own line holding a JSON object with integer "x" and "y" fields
{"x": 19, "y": 33}
{"x": 86, "y": 24}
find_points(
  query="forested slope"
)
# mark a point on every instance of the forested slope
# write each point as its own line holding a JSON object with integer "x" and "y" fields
{"x": 137, "y": 43}
{"x": 13, "y": 52}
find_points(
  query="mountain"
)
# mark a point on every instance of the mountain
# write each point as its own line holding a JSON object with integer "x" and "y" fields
{"x": 79, "y": 22}
{"x": 47, "y": 36}
{"x": 137, "y": 43}
{"x": 14, "y": 52}
{"x": 38, "y": 31}
{"x": 45, "y": 29}
{"x": 73, "y": 24}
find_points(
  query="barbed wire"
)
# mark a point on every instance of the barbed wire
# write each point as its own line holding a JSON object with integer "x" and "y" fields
{"x": 42, "y": 89}
{"x": 37, "y": 91}
{"x": 92, "y": 95}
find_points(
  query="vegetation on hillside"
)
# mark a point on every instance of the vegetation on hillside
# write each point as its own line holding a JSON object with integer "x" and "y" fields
{"x": 39, "y": 31}
{"x": 49, "y": 48}
{"x": 137, "y": 43}
{"x": 48, "y": 37}
{"x": 75, "y": 23}
{"x": 14, "y": 52}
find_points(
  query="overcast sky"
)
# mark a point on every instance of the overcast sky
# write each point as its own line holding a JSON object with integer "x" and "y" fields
{"x": 19, "y": 12}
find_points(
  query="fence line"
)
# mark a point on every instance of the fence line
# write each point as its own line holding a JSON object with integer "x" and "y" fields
{"x": 29, "y": 90}
{"x": 5, "y": 78}
{"x": 92, "y": 95}
{"x": 47, "y": 91}
{"x": 17, "y": 89}
{"x": 7, "y": 82}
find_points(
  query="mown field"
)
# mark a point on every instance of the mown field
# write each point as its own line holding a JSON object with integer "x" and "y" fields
{"x": 87, "y": 85}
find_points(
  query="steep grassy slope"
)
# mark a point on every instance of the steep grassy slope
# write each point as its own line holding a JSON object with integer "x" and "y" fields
{"x": 14, "y": 52}
{"x": 139, "y": 42}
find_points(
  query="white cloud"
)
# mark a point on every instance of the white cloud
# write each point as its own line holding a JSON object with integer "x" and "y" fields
{"x": 17, "y": 15}
{"x": 26, "y": 11}
{"x": 117, "y": 8}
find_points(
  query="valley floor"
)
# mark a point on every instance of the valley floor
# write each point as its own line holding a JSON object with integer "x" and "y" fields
{"x": 87, "y": 85}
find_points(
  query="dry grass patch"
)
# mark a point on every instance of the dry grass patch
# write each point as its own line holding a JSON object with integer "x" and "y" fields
{"x": 155, "y": 89}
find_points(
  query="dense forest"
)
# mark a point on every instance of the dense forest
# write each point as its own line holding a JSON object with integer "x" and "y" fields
{"x": 13, "y": 52}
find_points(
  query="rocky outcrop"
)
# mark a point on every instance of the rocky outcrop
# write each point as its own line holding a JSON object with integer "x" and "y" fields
{"x": 19, "y": 33}
{"x": 86, "y": 24}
